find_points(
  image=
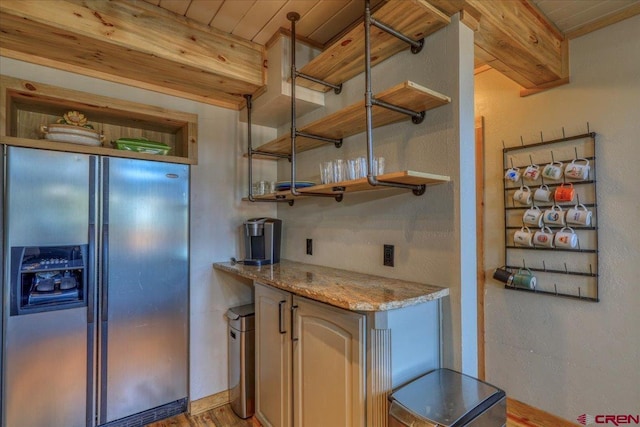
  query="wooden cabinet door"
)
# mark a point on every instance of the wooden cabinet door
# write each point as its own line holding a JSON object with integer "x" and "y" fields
{"x": 328, "y": 365}
{"x": 273, "y": 356}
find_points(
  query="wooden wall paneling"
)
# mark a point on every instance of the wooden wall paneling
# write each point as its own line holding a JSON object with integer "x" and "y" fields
{"x": 256, "y": 18}
{"x": 124, "y": 38}
{"x": 630, "y": 11}
{"x": 515, "y": 39}
{"x": 203, "y": 11}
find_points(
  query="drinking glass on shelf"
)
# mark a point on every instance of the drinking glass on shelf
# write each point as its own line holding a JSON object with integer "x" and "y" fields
{"x": 259, "y": 188}
{"x": 362, "y": 167}
{"x": 327, "y": 170}
{"x": 338, "y": 170}
{"x": 352, "y": 169}
{"x": 379, "y": 165}
{"x": 323, "y": 173}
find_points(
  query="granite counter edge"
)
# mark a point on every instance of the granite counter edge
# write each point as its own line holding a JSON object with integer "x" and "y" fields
{"x": 437, "y": 293}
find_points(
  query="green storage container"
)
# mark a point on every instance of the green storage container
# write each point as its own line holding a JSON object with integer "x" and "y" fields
{"x": 141, "y": 145}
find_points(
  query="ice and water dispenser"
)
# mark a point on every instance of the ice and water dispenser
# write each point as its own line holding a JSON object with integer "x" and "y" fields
{"x": 45, "y": 278}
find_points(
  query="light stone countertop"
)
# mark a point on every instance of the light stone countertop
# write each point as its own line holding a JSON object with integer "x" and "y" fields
{"x": 340, "y": 288}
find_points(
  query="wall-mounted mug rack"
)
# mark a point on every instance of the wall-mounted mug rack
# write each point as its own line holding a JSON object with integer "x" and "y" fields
{"x": 565, "y": 260}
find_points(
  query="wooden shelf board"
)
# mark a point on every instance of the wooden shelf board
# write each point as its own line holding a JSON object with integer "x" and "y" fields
{"x": 361, "y": 184}
{"x": 94, "y": 150}
{"x": 351, "y": 120}
{"x": 344, "y": 59}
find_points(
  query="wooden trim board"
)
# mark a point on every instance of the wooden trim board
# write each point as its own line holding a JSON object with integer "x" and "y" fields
{"x": 480, "y": 240}
{"x": 209, "y": 402}
{"x": 520, "y": 414}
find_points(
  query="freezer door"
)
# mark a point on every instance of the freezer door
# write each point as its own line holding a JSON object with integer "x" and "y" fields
{"x": 144, "y": 286}
{"x": 45, "y": 354}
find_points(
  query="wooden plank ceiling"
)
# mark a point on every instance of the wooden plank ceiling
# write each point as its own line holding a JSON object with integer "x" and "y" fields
{"x": 213, "y": 50}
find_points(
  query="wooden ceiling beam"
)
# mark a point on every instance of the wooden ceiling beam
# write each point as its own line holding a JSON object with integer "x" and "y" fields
{"x": 514, "y": 38}
{"x": 137, "y": 42}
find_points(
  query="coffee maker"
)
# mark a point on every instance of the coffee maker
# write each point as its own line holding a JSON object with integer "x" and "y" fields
{"x": 262, "y": 241}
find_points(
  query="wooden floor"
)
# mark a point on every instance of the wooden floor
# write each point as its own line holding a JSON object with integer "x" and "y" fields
{"x": 218, "y": 417}
{"x": 224, "y": 417}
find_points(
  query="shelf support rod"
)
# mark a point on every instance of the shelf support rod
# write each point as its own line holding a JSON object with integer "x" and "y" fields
{"x": 368, "y": 102}
{"x": 416, "y": 46}
{"x": 270, "y": 154}
{"x": 250, "y": 153}
{"x": 334, "y": 141}
{"x": 336, "y": 88}
{"x": 416, "y": 117}
{"x": 293, "y": 17}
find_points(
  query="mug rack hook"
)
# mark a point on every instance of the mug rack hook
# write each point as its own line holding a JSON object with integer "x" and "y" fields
{"x": 552, "y": 158}
{"x": 563, "y": 135}
{"x": 555, "y": 287}
{"x": 511, "y": 160}
{"x": 575, "y": 150}
{"x": 524, "y": 264}
{"x": 544, "y": 266}
{"x": 503, "y": 146}
{"x": 588, "y": 131}
{"x": 521, "y": 141}
{"x": 565, "y": 268}
{"x": 541, "y": 138}
{"x": 530, "y": 160}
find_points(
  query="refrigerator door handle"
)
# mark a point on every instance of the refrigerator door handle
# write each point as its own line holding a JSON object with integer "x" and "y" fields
{"x": 91, "y": 273}
{"x": 105, "y": 273}
{"x": 104, "y": 268}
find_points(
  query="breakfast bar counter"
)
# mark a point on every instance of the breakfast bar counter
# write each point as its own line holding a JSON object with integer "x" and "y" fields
{"x": 340, "y": 288}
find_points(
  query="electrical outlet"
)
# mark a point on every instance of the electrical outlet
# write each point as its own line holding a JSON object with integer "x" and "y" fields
{"x": 388, "y": 255}
{"x": 309, "y": 246}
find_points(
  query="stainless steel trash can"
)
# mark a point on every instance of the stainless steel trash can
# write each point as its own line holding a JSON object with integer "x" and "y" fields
{"x": 242, "y": 359}
{"x": 446, "y": 398}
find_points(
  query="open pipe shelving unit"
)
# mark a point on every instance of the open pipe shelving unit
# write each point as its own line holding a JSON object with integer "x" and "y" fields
{"x": 338, "y": 63}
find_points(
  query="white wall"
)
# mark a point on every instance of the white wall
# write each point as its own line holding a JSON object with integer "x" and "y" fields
{"x": 218, "y": 183}
{"x": 570, "y": 357}
{"x": 425, "y": 230}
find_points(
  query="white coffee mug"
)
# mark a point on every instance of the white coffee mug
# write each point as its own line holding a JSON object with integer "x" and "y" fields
{"x": 554, "y": 216}
{"x": 566, "y": 239}
{"x": 543, "y": 194}
{"x": 543, "y": 237}
{"x": 523, "y": 237}
{"x": 579, "y": 215}
{"x": 513, "y": 174}
{"x": 533, "y": 216}
{"x": 523, "y": 195}
{"x": 553, "y": 170}
{"x": 576, "y": 170}
{"x": 531, "y": 173}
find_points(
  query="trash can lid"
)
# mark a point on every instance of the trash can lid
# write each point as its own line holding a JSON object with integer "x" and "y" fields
{"x": 446, "y": 397}
{"x": 242, "y": 318}
{"x": 242, "y": 310}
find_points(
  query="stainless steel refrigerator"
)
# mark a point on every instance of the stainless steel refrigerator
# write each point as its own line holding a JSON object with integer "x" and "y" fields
{"x": 95, "y": 290}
